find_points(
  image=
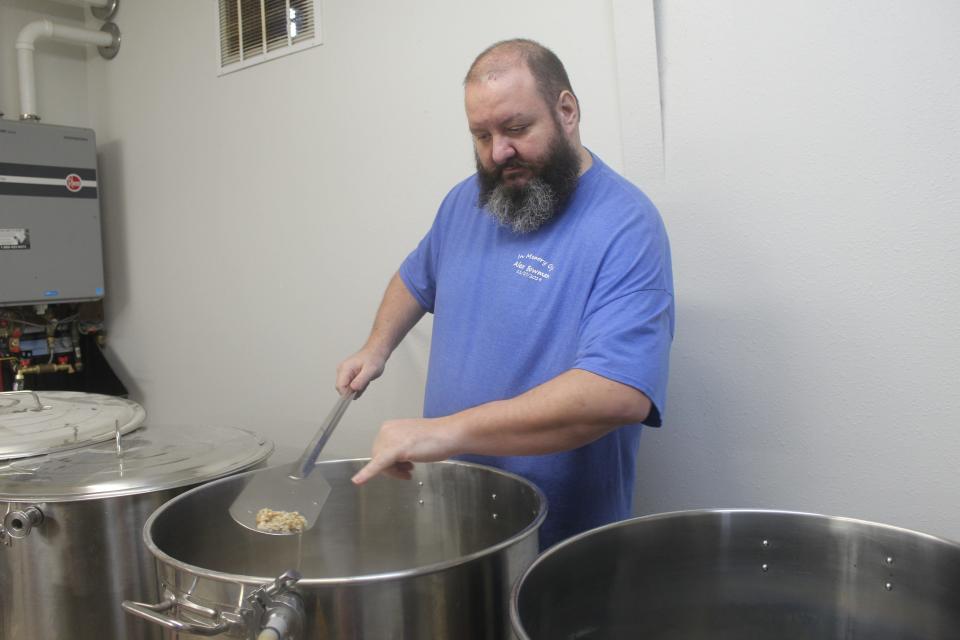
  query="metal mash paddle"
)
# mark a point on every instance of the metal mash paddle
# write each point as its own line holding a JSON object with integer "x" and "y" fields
{"x": 293, "y": 487}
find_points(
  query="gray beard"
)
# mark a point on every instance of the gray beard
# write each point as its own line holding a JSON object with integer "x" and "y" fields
{"x": 528, "y": 207}
{"x": 525, "y": 209}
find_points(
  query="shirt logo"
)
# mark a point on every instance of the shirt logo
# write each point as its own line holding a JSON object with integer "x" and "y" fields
{"x": 533, "y": 267}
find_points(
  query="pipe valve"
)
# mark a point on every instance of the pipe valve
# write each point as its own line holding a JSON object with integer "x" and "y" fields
{"x": 277, "y": 611}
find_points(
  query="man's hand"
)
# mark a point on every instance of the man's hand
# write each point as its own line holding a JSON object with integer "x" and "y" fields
{"x": 400, "y": 443}
{"x": 356, "y": 372}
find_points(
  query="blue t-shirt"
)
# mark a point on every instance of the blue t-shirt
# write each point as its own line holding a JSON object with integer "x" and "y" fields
{"x": 590, "y": 290}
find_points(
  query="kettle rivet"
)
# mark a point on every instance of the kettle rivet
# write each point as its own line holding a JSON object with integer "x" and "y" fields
{"x": 765, "y": 543}
{"x": 888, "y": 586}
{"x": 764, "y": 567}
{"x": 889, "y": 560}
{"x": 495, "y": 516}
{"x": 493, "y": 496}
{"x": 420, "y": 501}
{"x": 420, "y": 483}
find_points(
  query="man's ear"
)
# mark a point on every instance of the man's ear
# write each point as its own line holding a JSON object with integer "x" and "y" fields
{"x": 568, "y": 110}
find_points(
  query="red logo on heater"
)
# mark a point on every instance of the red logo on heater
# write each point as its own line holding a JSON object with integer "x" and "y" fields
{"x": 74, "y": 183}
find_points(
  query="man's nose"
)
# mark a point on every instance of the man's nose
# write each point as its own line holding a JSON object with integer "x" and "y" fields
{"x": 502, "y": 149}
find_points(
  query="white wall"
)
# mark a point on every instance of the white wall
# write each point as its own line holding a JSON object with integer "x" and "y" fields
{"x": 809, "y": 188}
{"x": 812, "y": 200}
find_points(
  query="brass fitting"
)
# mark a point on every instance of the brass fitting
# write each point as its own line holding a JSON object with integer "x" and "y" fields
{"x": 43, "y": 369}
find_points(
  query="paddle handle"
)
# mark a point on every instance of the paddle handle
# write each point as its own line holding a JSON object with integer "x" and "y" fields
{"x": 302, "y": 467}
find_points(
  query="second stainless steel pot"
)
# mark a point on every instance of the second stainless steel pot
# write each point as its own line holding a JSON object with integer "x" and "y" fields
{"x": 738, "y": 574}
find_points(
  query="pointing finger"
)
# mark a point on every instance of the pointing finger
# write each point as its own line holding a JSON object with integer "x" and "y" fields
{"x": 371, "y": 469}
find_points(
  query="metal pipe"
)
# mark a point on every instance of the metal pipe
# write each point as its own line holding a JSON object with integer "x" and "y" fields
{"x": 40, "y": 369}
{"x": 44, "y": 28}
{"x": 46, "y": 368}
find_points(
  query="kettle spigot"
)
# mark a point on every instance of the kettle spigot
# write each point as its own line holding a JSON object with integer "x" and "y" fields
{"x": 18, "y": 524}
{"x": 277, "y": 611}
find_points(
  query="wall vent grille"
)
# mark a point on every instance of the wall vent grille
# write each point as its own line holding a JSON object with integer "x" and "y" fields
{"x": 254, "y": 31}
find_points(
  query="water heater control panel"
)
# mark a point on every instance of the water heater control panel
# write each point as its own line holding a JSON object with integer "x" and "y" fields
{"x": 50, "y": 244}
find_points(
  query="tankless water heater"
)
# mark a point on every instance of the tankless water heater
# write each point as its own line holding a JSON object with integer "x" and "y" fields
{"x": 50, "y": 245}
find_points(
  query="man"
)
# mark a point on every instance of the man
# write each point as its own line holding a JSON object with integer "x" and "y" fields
{"x": 550, "y": 282}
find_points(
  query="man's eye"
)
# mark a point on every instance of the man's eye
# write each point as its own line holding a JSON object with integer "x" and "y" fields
{"x": 517, "y": 129}
{"x": 481, "y": 137}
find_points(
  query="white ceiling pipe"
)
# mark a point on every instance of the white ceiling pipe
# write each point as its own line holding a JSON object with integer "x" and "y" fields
{"x": 86, "y": 3}
{"x": 102, "y": 9}
{"x": 47, "y": 29}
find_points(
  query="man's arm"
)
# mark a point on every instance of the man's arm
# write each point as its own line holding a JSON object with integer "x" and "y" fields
{"x": 569, "y": 411}
{"x": 397, "y": 314}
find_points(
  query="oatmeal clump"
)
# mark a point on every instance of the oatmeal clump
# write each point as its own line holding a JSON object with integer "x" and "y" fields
{"x": 280, "y": 521}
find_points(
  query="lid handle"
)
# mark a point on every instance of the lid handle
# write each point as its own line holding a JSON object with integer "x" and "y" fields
{"x": 16, "y": 396}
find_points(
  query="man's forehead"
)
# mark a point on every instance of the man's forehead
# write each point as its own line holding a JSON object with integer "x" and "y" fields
{"x": 499, "y": 75}
{"x": 515, "y": 85}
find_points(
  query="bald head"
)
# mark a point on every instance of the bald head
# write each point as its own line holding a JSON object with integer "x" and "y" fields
{"x": 544, "y": 65}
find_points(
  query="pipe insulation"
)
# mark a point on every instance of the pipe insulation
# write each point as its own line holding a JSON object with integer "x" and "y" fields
{"x": 44, "y": 28}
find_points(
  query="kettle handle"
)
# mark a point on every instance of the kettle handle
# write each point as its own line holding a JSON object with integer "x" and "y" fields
{"x": 154, "y": 613}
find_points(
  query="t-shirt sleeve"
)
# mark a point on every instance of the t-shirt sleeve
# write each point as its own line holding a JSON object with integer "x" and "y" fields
{"x": 418, "y": 270}
{"x": 627, "y": 328}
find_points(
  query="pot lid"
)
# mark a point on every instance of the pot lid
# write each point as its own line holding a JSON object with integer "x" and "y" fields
{"x": 151, "y": 459}
{"x": 34, "y": 423}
